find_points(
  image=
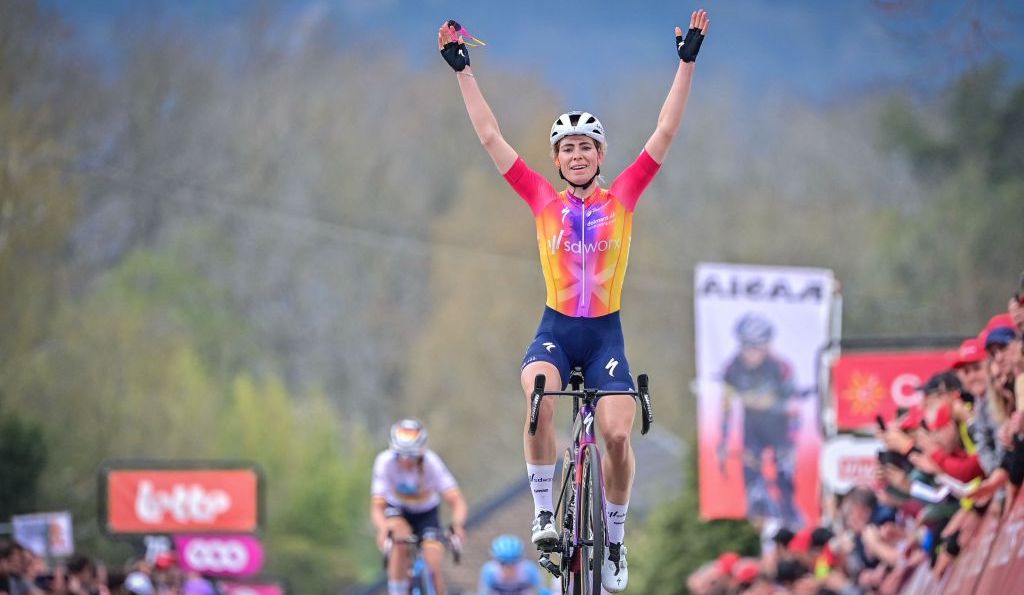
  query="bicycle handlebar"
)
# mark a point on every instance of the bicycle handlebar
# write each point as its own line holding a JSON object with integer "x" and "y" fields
{"x": 449, "y": 540}
{"x": 642, "y": 394}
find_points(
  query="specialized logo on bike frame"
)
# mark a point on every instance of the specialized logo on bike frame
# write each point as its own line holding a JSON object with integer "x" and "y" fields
{"x": 769, "y": 289}
{"x": 588, "y": 423}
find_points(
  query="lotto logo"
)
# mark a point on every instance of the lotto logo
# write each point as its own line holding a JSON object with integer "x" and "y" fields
{"x": 152, "y": 501}
{"x": 184, "y": 503}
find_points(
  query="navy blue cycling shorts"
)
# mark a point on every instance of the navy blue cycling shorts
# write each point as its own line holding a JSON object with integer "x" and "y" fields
{"x": 594, "y": 344}
{"x": 426, "y": 525}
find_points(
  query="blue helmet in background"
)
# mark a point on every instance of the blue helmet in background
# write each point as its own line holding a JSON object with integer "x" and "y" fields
{"x": 507, "y": 549}
{"x": 754, "y": 330}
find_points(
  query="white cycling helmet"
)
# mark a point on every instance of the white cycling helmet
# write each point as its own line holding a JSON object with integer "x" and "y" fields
{"x": 577, "y": 122}
{"x": 408, "y": 438}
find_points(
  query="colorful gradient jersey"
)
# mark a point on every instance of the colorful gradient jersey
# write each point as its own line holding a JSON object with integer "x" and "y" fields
{"x": 584, "y": 247}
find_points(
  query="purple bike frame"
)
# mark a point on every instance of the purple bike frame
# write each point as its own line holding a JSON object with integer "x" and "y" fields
{"x": 585, "y": 438}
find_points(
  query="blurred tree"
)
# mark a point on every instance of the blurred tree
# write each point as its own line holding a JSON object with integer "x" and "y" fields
{"x": 318, "y": 477}
{"x": 38, "y": 197}
{"x": 677, "y": 541}
{"x": 23, "y": 457}
{"x": 964, "y": 242}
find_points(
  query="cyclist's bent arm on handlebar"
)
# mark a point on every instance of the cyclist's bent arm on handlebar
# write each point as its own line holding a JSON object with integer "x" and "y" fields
{"x": 484, "y": 123}
{"x": 460, "y": 510}
{"x": 377, "y": 517}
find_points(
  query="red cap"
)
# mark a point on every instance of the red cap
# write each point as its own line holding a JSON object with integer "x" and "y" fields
{"x": 1003, "y": 320}
{"x": 164, "y": 560}
{"x": 971, "y": 350}
{"x": 999, "y": 320}
{"x": 746, "y": 570}
{"x": 801, "y": 542}
{"x": 726, "y": 562}
{"x": 940, "y": 417}
{"x": 911, "y": 420}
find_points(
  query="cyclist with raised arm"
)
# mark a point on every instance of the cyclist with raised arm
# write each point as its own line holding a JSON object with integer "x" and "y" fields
{"x": 409, "y": 482}
{"x": 583, "y": 235}
{"x": 508, "y": 573}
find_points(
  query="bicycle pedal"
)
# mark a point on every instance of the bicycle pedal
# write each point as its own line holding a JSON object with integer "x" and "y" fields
{"x": 549, "y": 547}
{"x": 546, "y": 563}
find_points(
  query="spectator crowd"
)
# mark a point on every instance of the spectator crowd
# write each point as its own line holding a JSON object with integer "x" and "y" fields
{"x": 945, "y": 466}
{"x": 22, "y": 572}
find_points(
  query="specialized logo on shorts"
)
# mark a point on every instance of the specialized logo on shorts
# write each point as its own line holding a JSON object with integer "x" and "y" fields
{"x": 549, "y": 346}
{"x": 610, "y": 366}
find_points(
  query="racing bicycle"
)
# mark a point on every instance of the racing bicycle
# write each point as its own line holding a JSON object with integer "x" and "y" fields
{"x": 581, "y": 503}
{"x": 421, "y": 577}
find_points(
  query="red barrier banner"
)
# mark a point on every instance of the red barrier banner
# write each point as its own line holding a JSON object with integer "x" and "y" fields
{"x": 920, "y": 582}
{"x": 869, "y": 384}
{"x": 964, "y": 573}
{"x": 161, "y": 500}
{"x": 1005, "y": 569}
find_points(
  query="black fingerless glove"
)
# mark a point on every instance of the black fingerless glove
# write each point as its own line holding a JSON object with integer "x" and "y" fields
{"x": 454, "y": 52}
{"x": 689, "y": 47}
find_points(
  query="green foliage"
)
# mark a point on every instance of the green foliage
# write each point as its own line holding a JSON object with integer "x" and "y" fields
{"x": 318, "y": 483}
{"x": 966, "y": 236}
{"x": 676, "y": 541}
{"x": 23, "y": 457}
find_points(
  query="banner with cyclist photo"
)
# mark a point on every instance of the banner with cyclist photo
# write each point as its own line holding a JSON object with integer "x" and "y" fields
{"x": 758, "y": 333}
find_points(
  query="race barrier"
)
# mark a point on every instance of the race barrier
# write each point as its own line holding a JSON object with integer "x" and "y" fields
{"x": 991, "y": 562}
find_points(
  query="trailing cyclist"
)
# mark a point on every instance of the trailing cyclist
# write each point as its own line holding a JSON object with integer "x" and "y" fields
{"x": 409, "y": 482}
{"x": 507, "y": 572}
{"x": 583, "y": 236}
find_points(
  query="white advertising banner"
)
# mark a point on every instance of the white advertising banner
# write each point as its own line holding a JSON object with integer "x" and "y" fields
{"x": 46, "y": 533}
{"x": 848, "y": 462}
{"x": 759, "y": 331}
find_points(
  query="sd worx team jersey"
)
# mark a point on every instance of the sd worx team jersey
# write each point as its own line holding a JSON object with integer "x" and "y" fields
{"x": 584, "y": 246}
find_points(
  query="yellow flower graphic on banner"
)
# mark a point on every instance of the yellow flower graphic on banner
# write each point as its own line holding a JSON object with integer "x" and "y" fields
{"x": 864, "y": 393}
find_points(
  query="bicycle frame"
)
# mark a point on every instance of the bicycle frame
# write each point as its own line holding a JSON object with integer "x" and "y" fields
{"x": 584, "y": 438}
{"x": 419, "y": 571}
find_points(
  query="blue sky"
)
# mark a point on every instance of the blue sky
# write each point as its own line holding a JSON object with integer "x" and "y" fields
{"x": 822, "y": 52}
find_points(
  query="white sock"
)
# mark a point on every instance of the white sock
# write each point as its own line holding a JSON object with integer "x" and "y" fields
{"x": 616, "y": 521}
{"x": 542, "y": 479}
{"x": 398, "y": 587}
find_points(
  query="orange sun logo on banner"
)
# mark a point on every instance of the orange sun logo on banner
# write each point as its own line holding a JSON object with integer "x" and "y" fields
{"x": 865, "y": 393}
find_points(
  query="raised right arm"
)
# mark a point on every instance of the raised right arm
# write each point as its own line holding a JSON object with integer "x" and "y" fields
{"x": 484, "y": 123}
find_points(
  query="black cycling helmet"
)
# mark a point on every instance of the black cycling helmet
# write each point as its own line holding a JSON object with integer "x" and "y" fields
{"x": 754, "y": 330}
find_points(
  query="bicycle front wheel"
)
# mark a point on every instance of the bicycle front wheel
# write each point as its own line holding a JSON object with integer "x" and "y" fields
{"x": 592, "y": 529}
{"x": 422, "y": 583}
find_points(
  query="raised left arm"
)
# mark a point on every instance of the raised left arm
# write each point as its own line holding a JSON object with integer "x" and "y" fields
{"x": 675, "y": 104}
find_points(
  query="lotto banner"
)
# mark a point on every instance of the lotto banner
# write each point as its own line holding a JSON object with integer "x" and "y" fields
{"x": 191, "y": 497}
{"x": 758, "y": 332}
{"x": 868, "y": 384}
